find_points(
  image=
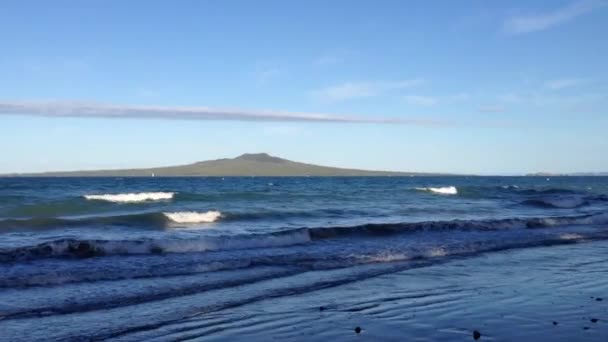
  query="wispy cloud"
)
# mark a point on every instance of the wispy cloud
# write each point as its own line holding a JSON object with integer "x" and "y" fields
{"x": 71, "y": 65}
{"x": 564, "y": 83}
{"x": 284, "y": 130}
{"x": 542, "y": 21}
{"x": 332, "y": 57}
{"x": 510, "y": 98}
{"x": 460, "y": 97}
{"x": 354, "y": 90}
{"x": 95, "y": 110}
{"x": 492, "y": 109}
{"x": 265, "y": 73}
{"x": 327, "y": 60}
{"x": 146, "y": 92}
{"x": 420, "y": 100}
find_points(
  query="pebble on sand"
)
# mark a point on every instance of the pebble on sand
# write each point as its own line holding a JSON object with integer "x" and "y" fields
{"x": 476, "y": 335}
{"x": 358, "y": 330}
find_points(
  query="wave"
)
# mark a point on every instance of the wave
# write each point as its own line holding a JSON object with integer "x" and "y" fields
{"x": 459, "y": 225}
{"x": 143, "y": 220}
{"x": 161, "y": 220}
{"x": 509, "y": 187}
{"x": 91, "y": 248}
{"x": 545, "y": 191}
{"x": 132, "y": 197}
{"x": 447, "y": 190}
{"x": 559, "y": 203}
{"x": 564, "y": 202}
{"x": 193, "y": 216}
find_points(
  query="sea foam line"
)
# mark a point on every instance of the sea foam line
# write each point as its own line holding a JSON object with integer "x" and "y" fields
{"x": 132, "y": 197}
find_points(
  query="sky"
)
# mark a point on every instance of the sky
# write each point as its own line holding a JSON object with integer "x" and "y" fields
{"x": 486, "y": 87}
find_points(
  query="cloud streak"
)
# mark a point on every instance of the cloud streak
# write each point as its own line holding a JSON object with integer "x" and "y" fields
{"x": 354, "y": 90}
{"x": 564, "y": 83}
{"x": 420, "y": 100}
{"x": 95, "y": 110}
{"x": 492, "y": 109}
{"x": 542, "y": 21}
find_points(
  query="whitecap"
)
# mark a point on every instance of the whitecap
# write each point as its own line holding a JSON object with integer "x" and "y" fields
{"x": 193, "y": 216}
{"x": 132, "y": 197}
{"x": 447, "y": 190}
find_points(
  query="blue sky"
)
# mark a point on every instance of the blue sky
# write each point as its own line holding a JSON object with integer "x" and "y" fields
{"x": 452, "y": 86}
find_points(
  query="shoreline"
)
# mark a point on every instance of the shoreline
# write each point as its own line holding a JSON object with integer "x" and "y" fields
{"x": 538, "y": 293}
{"x": 542, "y": 293}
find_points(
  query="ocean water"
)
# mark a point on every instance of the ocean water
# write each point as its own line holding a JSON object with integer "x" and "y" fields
{"x": 97, "y": 258}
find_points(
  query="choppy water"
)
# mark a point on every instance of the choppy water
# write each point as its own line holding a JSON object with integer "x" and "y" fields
{"x": 85, "y": 250}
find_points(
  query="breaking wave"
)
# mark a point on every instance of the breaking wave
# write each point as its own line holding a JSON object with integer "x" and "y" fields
{"x": 91, "y": 248}
{"x": 132, "y": 197}
{"x": 461, "y": 225}
{"x": 160, "y": 220}
{"x": 447, "y": 190}
{"x": 564, "y": 202}
{"x": 143, "y": 220}
{"x": 193, "y": 216}
{"x": 560, "y": 203}
{"x": 544, "y": 191}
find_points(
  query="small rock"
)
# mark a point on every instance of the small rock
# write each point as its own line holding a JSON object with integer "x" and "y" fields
{"x": 358, "y": 330}
{"x": 476, "y": 335}
{"x": 594, "y": 320}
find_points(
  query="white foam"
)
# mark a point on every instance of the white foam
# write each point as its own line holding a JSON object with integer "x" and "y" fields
{"x": 193, "y": 216}
{"x": 510, "y": 187}
{"x": 132, "y": 197}
{"x": 446, "y": 190}
{"x": 565, "y": 202}
{"x": 571, "y": 236}
{"x": 436, "y": 252}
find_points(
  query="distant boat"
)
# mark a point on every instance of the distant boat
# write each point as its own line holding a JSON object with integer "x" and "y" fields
{"x": 153, "y": 174}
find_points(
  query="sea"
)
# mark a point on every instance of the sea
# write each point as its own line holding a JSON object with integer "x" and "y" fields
{"x": 123, "y": 258}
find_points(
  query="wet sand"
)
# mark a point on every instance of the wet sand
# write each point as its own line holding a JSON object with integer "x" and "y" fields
{"x": 557, "y": 293}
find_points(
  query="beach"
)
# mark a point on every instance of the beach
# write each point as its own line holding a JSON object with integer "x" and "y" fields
{"x": 538, "y": 294}
{"x": 543, "y": 293}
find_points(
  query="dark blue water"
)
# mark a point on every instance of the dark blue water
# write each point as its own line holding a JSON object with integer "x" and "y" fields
{"x": 83, "y": 249}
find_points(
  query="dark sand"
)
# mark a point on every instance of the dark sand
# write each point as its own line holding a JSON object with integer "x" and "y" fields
{"x": 537, "y": 294}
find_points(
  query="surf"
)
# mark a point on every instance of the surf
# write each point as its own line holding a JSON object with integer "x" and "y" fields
{"x": 87, "y": 248}
{"x": 193, "y": 216}
{"x": 447, "y": 190}
{"x": 131, "y": 197}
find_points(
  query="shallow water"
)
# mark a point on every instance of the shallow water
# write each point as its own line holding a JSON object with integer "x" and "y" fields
{"x": 514, "y": 295}
{"x": 114, "y": 258}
